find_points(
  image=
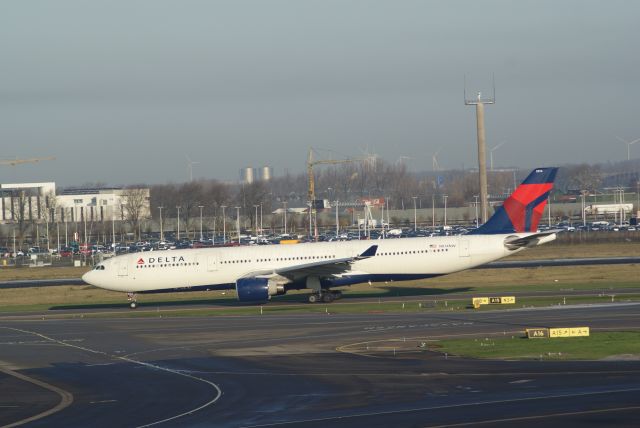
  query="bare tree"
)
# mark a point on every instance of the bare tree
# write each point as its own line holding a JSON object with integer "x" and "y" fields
{"x": 251, "y": 195}
{"x": 51, "y": 204}
{"x": 19, "y": 213}
{"x": 135, "y": 203}
{"x": 584, "y": 177}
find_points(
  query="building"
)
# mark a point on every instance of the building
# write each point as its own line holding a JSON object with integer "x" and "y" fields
{"x": 39, "y": 202}
{"x": 25, "y": 201}
{"x": 102, "y": 204}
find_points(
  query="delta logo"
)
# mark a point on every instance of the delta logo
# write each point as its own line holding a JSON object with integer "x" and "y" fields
{"x": 150, "y": 260}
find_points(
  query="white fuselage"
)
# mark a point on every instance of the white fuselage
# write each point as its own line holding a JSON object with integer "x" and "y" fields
{"x": 395, "y": 259}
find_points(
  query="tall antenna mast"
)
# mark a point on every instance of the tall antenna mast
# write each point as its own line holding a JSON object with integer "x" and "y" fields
{"x": 479, "y": 102}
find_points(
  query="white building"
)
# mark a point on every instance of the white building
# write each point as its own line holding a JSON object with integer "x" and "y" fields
{"x": 99, "y": 204}
{"x": 36, "y": 200}
{"x": 26, "y": 200}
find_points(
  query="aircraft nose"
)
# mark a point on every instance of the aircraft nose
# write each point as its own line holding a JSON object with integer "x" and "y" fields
{"x": 87, "y": 277}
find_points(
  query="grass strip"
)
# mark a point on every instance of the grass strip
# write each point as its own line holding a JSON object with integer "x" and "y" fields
{"x": 599, "y": 345}
{"x": 229, "y": 307}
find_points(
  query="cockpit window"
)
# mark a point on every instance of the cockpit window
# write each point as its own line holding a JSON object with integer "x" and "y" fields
{"x": 99, "y": 267}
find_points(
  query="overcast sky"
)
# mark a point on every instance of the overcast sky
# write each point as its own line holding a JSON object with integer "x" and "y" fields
{"x": 120, "y": 91}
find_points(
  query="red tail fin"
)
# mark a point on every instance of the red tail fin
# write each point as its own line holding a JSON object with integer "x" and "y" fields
{"x": 521, "y": 212}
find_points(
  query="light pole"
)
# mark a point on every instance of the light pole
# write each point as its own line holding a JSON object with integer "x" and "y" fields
{"x": 47, "y": 224}
{"x": 482, "y": 161}
{"x": 213, "y": 235}
{"x": 178, "y": 225}
{"x": 310, "y": 203}
{"x": 261, "y": 229}
{"x": 476, "y": 204}
{"x": 445, "y": 208}
{"x": 622, "y": 211}
{"x": 238, "y": 222}
{"x": 86, "y": 240}
{"x": 201, "y": 207}
{"x": 75, "y": 222}
{"x": 584, "y": 218}
{"x": 256, "y": 221}
{"x": 337, "y": 222}
{"x": 161, "y": 231}
{"x": 113, "y": 231}
{"x": 224, "y": 226}
{"x": 386, "y": 201}
{"x": 415, "y": 214}
{"x": 285, "y": 217}
{"x": 382, "y": 218}
{"x": 433, "y": 211}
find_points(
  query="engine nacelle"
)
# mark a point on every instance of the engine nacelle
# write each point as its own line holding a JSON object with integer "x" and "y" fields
{"x": 257, "y": 289}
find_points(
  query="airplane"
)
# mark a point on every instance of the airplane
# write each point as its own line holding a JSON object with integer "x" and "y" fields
{"x": 259, "y": 272}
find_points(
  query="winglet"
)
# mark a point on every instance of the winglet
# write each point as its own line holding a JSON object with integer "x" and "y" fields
{"x": 369, "y": 252}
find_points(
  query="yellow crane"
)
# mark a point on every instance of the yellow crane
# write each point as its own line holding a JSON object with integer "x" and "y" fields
{"x": 311, "y": 194}
{"x": 14, "y": 162}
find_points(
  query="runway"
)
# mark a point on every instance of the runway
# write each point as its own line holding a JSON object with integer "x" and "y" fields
{"x": 307, "y": 370}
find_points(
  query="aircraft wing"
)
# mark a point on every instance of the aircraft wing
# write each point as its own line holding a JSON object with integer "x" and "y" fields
{"x": 515, "y": 242}
{"x": 320, "y": 268}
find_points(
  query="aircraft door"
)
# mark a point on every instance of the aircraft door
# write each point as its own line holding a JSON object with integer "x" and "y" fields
{"x": 463, "y": 247}
{"x": 212, "y": 263}
{"x": 123, "y": 266}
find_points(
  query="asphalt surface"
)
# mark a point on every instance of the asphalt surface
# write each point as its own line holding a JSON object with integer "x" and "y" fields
{"x": 307, "y": 370}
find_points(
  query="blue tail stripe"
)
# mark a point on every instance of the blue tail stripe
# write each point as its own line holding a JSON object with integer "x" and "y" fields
{"x": 541, "y": 176}
{"x": 530, "y": 207}
{"x": 498, "y": 223}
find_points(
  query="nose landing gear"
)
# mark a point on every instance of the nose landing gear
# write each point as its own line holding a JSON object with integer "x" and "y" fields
{"x": 133, "y": 303}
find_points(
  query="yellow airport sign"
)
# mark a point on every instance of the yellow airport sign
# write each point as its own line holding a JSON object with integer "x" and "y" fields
{"x": 569, "y": 332}
{"x": 537, "y": 333}
{"x": 505, "y": 300}
{"x": 480, "y": 301}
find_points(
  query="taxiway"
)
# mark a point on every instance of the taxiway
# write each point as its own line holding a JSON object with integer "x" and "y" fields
{"x": 306, "y": 370}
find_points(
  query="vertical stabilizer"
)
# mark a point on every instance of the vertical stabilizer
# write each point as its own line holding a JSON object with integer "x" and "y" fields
{"x": 521, "y": 212}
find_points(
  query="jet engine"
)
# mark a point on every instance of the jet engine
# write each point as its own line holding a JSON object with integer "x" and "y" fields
{"x": 255, "y": 290}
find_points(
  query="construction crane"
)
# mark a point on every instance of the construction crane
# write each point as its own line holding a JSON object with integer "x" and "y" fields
{"x": 14, "y": 162}
{"x": 311, "y": 194}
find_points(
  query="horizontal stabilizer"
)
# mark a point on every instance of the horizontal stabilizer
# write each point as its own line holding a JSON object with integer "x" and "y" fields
{"x": 515, "y": 242}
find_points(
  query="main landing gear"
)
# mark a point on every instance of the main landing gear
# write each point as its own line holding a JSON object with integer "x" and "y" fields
{"x": 326, "y": 296}
{"x": 133, "y": 303}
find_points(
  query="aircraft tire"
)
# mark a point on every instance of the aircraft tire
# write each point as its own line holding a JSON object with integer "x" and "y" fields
{"x": 133, "y": 305}
{"x": 313, "y": 298}
{"x": 327, "y": 297}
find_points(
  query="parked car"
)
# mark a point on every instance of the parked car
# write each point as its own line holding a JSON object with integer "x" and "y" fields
{"x": 66, "y": 252}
